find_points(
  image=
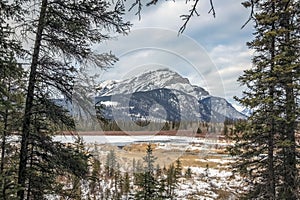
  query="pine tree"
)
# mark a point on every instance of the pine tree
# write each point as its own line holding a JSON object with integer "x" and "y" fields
{"x": 288, "y": 60}
{"x": 63, "y": 33}
{"x": 162, "y": 192}
{"x": 188, "y": 173}
{"x": 118, "y": 183}
{"x": 126, "y": 184}
{"x": 146, "y": 180}
{"x": 10, "y": 115}
{"x": 178, "y": 170}
{"x": 158, "y": 171}
{"x": 199, "y": 130}
{"x": 171, "y": 181}
{"x": 166, "y": 126}
{"x": 94, "y": 185}
{"x": 266, "y": 143}
{"x": 225, "y": 130}
{"x": 11, "y": 100}
{"x": 111, "y": 163}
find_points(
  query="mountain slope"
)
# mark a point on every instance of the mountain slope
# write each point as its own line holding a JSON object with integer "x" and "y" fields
{"x": 151, "y": 80}
{"x": 161, "y": 95}
{"x": 219, "y": 109}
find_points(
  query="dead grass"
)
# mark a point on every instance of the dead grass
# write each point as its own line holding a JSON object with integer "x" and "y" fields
{"x": 223, "y": 195}
{"x": 165, "y": 157}
{"x": 193, "y": 161}
{"x": 138, "y": 147}
{"x": 220, "y": 151}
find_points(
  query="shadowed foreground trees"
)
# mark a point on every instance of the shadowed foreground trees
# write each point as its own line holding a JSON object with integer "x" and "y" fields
{"x": 266, "y": 143}
{"x": 146, "y": 180}
{"x": 60, "y": 35}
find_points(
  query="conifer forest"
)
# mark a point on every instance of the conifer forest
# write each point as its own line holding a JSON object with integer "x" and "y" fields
{"x": 54, "y": 152}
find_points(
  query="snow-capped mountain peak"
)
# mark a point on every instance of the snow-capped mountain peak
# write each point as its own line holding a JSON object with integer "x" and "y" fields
{"x": 151, "y": 80}
{"x": 178, "y": 98}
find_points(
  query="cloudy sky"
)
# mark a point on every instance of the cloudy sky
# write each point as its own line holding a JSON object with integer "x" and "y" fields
{"x": 212, "y": 52}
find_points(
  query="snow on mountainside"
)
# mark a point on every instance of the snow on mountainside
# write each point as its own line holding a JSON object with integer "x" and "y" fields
{"x": 221, "y": 109}
{"x": 247, "y": 112}
{"x": 151, "y": 80}
{"x": 180, "y": 100}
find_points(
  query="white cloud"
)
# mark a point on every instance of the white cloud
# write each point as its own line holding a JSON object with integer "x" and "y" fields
{"x": 211, "y": 53}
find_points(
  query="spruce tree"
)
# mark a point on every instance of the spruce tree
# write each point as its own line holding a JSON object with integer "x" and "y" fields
{"x": 178, "y": 170}
{"x": 188, "y": 173}
{"x": 11, "y": 100}
{"x": 62, "y": 34}
{"x": 162, "y": 192}
{"x": 94, "y": 180}
{"x": 146, "y": 180}
{"x": 126, "y": 185}
{"x": 266, "y": 143}
{"x": 199, "y": 130}
{"x": 111, "y": 163}
{"x": 171, "y": 181}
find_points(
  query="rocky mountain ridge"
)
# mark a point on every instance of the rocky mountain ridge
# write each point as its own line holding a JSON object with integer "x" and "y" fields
{"x": 161, "y": 95}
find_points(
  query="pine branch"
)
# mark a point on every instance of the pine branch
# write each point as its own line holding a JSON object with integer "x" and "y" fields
{"x": 139, "y": 9}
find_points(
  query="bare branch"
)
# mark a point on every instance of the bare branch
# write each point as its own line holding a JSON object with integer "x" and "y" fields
{"x": 186, "y": 18}
{"x": 251, "y": 16}
{"x": 212, "y": 8}
{"x": 152, "y": 2}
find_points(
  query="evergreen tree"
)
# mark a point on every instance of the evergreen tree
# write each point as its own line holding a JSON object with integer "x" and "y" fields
{"x": 11, "y": 100}
{"x": 225, "y": 130}
{"x": 94, "y": 185}
{"x": 266, "y": 143}
{"x": 188, "y": 173}
{"x": 118, "y": 183}
{"x": 63, "y": 33}
{"x": 199, "y": 130}
{"x": 171, "y": 181}
{"x": 133, "y": 165}
{"x": 178, "y": 170}
{"x": 111, "y": 163}
{"x": 146, "y": 180}
{"x": 158, "y": 171}
{"x": 166, "y": 126}
{"x": 126, "y": 184}
{"x": 162, "y": 192}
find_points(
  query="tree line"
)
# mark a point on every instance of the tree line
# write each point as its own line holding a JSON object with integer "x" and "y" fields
{"x": 143, "y": 180}
{"x": 44, "y": 47}
{"x": 266, "y": 145}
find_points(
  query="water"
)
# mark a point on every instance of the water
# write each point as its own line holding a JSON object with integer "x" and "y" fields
{"x": 124, "y": 140}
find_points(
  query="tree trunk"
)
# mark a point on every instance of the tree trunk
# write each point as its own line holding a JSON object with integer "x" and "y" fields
{"x": 3, "y": 149}
{"x": 271, "y": 179}
{"x": 290, "y": 157}
{"x": 290, "y": 151}
{"x": 3, "y": 143}
{"x": 29, "y": 102}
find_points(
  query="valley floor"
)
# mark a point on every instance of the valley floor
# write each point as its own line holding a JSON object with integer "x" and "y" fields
{"x": 212, "y": 176}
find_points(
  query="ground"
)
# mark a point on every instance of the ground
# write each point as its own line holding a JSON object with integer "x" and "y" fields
{"x": 210, "y": 164}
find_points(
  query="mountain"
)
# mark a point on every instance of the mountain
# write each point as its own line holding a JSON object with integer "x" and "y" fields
{"x": 161, "y": 95}
{"x": 151, "y": 80}
{"x": 247, "y": 112}
{"x": 219, "y": 109}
